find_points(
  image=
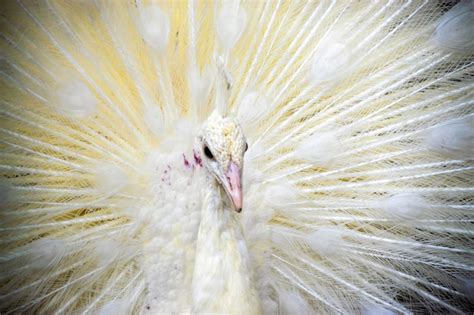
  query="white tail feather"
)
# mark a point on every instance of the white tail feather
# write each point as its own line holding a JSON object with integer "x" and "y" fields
{"x": 357, "y": 181}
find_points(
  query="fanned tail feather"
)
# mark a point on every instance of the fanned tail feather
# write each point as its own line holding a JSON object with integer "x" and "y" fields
{"x": 358, "y": 179}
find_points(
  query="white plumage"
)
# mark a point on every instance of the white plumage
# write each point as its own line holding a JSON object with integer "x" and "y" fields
{"x": 124, "y": 133}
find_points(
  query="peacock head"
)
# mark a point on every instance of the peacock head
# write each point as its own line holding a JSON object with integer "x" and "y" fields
{"x": 223, "y": 147}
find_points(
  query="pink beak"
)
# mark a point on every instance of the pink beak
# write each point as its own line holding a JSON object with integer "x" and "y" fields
{"x": 234, "y": 186}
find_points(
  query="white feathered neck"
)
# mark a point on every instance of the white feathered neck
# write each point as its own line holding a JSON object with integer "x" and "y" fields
{"x": 222, "y": 281}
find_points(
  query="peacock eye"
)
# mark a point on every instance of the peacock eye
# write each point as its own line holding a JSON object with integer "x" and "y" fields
{"x": 246, "y": 147}
{"x": 208, "y": 153}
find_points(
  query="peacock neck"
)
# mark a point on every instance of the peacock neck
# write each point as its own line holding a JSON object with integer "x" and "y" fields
{"x": 222, "y": 280}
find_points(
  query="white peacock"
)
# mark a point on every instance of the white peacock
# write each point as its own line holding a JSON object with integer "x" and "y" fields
{"x": 236, "y": 157}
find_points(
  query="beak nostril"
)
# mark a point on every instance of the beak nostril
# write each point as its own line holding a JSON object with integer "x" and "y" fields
{"x": 230, "y": 182}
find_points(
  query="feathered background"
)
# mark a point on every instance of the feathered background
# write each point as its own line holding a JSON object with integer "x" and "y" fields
{"x": 358, "y": 180}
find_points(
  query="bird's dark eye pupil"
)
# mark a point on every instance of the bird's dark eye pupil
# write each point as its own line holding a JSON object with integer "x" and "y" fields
{"x": 208, "y": 153}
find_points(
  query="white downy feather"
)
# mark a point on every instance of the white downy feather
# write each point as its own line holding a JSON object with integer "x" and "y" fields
{"x": 110, "y": 178}
{"x": 154, "y": 27}
{"x": 406, "y": 205}
{"x": 326, "y": 242}
{"x": 330, "y": 63}
{"x": 455, "y": 138}
{"x": 320, "y": 148}
{"x": 293, "y": 303}
{"x": 454, "y": 30}
{"x": 230, "y": 23}
{"x": 45, "y": 252}
{"x": 116, "y": 307}
{"x": 75, "y": 99}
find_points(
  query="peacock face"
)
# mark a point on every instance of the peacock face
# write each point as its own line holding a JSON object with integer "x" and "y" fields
{"x": 223, "y": 147}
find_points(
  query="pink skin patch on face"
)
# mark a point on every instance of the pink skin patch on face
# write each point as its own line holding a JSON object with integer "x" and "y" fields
{"x": 186, "y": 162}
{"x": 191, "y": 164}
{"x": 197, "y": 158}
